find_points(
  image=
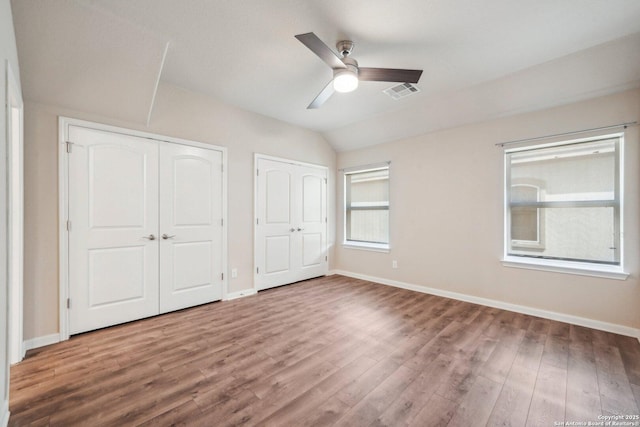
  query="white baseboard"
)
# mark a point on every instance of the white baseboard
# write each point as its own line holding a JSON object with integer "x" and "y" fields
{"x": 4, "y": 414}
{"x": 55, "y": 338}
{"x": 40, "y": 341}
{"x": 240, "y": 294}
{"x": 552, "y": 315}
{"x": 21, "y": 353}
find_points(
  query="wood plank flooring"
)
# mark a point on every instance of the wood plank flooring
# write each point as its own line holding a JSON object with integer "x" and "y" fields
{"x": 330, "y": 351}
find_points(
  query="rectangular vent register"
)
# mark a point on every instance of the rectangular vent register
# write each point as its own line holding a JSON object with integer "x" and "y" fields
{"x": 401, "y": 91}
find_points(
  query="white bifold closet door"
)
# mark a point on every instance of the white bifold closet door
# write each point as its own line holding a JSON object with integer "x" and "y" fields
{"x": 145, "y": 228}
{"x": 190, "y": 226}
{"x": 291, "y": 223}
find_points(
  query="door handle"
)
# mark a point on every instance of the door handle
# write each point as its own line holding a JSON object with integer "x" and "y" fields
{"x": 165, "y": 236}
{"x": 149, "y": 237}
{"x": 292, "y": 230}
{"x": 300, "y": 229}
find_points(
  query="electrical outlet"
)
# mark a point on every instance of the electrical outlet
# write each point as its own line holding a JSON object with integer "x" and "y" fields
{"x": 394, "y": 264}
{"x": 234, "y": 273}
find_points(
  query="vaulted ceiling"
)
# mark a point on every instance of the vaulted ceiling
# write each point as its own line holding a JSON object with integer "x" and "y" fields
{"x": 481, "y": 59}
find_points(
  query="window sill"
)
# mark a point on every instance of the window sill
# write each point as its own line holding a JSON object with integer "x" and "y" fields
{"x": 374, "y": 247}
{"x": 578, "y": 268}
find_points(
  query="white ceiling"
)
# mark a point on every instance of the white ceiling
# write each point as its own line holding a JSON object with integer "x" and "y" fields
{"x": 481, "y": 58}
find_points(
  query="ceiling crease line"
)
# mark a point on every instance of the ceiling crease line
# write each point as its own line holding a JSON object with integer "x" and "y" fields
{"x": 157, "y": 84}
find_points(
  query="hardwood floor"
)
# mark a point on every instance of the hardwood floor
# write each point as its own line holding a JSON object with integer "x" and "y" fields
{"x": 330, "y": 351}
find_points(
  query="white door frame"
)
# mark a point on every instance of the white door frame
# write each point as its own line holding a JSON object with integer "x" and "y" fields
{"x": 15, "y": 229}
{"x": 256, "y": 157}
{"x": 63, "y": 191}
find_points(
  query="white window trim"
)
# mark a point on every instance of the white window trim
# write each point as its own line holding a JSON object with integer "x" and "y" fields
{"x": 569, "y": 267}
{"x": 375, "y": 247}
{"x": 616, "y": 272}
{"x": 354, "y": 244}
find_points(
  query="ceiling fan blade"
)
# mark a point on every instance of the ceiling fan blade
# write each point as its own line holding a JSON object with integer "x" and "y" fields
{"x": 318, "y": 47}
{"x": 322, "y": 96}
{"x": 389, "y": 75}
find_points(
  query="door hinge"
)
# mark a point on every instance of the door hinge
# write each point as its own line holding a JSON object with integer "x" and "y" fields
{"x": 68, "y": 302}
{"x": 257, "y": 172}
{"x": 326, "y": 258}
{"x": 69, "y": 144}
{"x": 257, "y": 270}
{"x": 257, "y": 221}
{"x": 68, "y": 225}
{"x": 222, "y": 222}
{"x": 222, "y": 167}
{"x": 222, "y": 276}
{"x": 325, "y": 219}
{"x": 325, "y": 180}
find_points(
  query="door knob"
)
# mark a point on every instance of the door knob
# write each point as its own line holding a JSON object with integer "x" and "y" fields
{"x": 165, "y": 236}
{"x": 149, "y": 237}
{"x": 292, "y": 230}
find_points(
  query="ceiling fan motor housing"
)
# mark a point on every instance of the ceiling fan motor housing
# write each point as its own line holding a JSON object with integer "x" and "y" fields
{"x": 345, "y": 47}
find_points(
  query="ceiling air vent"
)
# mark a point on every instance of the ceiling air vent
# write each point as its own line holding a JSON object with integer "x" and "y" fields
{"x": 401, "y": 91}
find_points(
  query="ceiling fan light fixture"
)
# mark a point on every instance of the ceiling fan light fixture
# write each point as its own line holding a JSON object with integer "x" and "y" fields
{"x": 346, "y": 72}
{"x": 345, "y": 80}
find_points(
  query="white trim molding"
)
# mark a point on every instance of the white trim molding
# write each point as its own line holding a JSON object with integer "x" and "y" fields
{"x": 372, "y": 247}
{"x": 551, "y": 315}
{"x": 4, "y": 414}
{"x": 239, "y": 294}
{"x": 580, "y": 269}
{"x": 15, "y": 211}
{"x": 42, "y": 341}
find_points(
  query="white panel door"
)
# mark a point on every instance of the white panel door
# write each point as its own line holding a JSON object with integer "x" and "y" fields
{"x": 291, "y": 227}
{"x": 312, "y": 222}
{"x": 113, "y": 246}
{"x": 275, "y": 231}
{"x": 191, "y": 262}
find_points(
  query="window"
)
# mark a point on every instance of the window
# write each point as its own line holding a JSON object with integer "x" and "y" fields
{"x": 563, "y": 204}
{"x": 366, "y": 213}
{"x": 526, "y": 221}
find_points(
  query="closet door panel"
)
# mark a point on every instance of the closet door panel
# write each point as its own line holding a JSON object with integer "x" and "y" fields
{"x": 312, "y": 214}
{"x": 275, "y": 232}
{"x": 277, "y": 196}
{"x": 190, "y": 226}
{"x": 291, "y": 223}
{"x": 277, "y": 254}
{"x": 113, "y": 210}
{"x": 312, "y": 197}
{"x": 312, "y": 253}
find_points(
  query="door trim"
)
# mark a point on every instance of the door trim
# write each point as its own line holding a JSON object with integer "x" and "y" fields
{"x": 15, "y": 230}
{"x": 63, "y": 203}
{"x": 256, "y": 158}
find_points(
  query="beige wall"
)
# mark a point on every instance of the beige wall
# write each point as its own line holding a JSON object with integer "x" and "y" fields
{"x": 437, "y": 181}
{"x": 177, "y": 113}
{"x": 447, "y": 214}
{"x": 8, "y": 53}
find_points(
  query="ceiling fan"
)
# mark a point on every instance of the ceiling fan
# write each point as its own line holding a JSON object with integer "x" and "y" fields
{"x": 346, "y": 72}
